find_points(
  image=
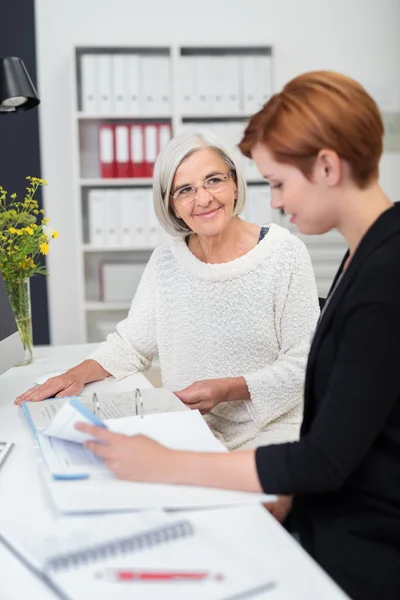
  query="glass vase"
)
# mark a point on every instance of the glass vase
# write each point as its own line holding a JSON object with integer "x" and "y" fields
{"x": 19, "y": 292}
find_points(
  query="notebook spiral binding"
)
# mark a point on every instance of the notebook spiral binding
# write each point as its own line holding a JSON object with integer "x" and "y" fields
{"x": 134, "y": 543}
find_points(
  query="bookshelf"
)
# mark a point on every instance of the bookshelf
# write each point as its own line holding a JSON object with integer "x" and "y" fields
{"x": 180, "y": 86}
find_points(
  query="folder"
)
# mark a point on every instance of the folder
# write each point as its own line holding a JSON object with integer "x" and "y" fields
{"x": 138, "y": 168}
{"x": 122, "y": 163}
{"x": 164, "y": 135}
{"x": 132, "y": 78}
{"x": 250, "y": 100}
{"x": 120, "y": 92}
{"x": 216, "y": 75}
{"x": 127, "y": 209}
{"x": 230, "y": 85}
{"x": 89, "y": 88}
{"x": 97, "y": 218}
{"x": 205, "y": 85}
{"x": 150, "y": 148}
{"x": 113, "y": 223}
{"x": 263, "y": 66}
{"x": 105, "y": 82}
{"x": 188, "y": 85}
{"x": 107, "y": 151}
{"x": 161, "y": 82}
{"x": 148, "y": 85}
{"x": 140, "y": 217}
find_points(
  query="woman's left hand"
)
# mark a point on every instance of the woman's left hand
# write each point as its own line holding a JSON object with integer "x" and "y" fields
{"x": 137, "y": 457}
{"x": 204, "y": 395}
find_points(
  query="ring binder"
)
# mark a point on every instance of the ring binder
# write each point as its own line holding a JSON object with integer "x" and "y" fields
{"x": 139, "y": 399}
{"x": 139, "y": 407}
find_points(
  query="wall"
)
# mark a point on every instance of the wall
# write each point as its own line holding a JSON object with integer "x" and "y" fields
{"x": 358, "y": 37}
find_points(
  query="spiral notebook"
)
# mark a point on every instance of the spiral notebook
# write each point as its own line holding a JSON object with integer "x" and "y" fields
{"x": 89, "y": 569}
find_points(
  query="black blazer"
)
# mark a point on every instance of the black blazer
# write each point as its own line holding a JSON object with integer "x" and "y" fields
{"x": 345, "y": 470}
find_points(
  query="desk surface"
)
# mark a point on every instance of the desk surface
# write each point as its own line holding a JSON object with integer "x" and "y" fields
{"x": 20, "y": 490}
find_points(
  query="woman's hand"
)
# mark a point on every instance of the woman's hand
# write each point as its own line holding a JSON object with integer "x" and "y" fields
{"x": 281, "y": 508}
{"x": 206, "y": 394}
{"x": 69, "y": 384}
{"x": 136, "y": 458}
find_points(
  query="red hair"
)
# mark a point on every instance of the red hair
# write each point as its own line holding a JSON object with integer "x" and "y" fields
{"x": 320, "y": 110}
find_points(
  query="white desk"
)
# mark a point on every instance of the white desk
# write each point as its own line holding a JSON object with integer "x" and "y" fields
{"x": 264, "y": 539}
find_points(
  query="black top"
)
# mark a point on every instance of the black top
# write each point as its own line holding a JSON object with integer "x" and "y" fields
{"x": 347, "y": 462}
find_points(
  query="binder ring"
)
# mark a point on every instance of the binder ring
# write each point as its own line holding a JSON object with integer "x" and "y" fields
{"x": 139, "y": 403}
{"x": 96, "y": 404}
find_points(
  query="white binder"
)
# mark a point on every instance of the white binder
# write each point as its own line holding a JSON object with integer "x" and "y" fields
{"x": 259, "y": 204}
{"x": 105, "y": 79}
{"x": 141, "y": 198}
{"x": 97, "y": 218}
{"x": 249, "y": 85}
{"x": 264, "y": 79}
{"x": 161, "y": 82}
{"x": 204, "y": 88}
{"x": 132, "y": 78}
{"x": 188, "y": 85}
{"x": 148, "y": 86}
{"x": 120, "y": 94}
{"x": 127, "y": 207}
{"x": 89, "y": 88}
{"x": 230, "y": 85}
{"x": 113, "y": 230}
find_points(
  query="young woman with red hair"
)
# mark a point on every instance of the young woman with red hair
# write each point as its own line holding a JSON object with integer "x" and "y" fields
{"x": 319, "y": 142}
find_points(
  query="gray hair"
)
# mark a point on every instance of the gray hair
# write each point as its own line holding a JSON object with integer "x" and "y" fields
{"x": 170, "y": 158}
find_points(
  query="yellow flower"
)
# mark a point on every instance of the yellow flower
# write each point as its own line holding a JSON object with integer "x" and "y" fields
{"x": 29, "y": 230}
{"x": 45, "y": 220}
{"x": 44, "y": 248}
{"x": 55, "y": 234}
{"x": 12, "y": 230}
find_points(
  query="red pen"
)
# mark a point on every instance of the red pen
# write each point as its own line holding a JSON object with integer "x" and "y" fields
{"x": 131, "y": 575}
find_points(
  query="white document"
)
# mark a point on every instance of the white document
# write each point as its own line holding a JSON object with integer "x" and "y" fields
{"x": 120, "y": 92}
{"x": 105, "y": 79}
{"x": 89, "y": 87}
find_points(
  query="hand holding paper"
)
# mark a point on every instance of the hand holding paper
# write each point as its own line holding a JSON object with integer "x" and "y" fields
{"x": 63, "y": 424}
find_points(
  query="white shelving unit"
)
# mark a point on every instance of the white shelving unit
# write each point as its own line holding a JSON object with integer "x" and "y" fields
{"x": 98, "y": 317}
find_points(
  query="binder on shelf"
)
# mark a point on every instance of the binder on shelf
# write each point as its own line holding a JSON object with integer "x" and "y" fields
{"x": 138, "y": 168}
{"x": 230, "y": 81}
{"x": 120, "y": 94}
{"x": 106, "y": 151}
{"x": 148, "y": 85}
{"x": 150, "y": 148}
{"x": 217, "y": 84}
{"x": 132, "y": 77}
{"x": 141, "y": 199}
{"x": 122, "y": 163}
{"x": 164, "y": 135}
{"x": 250, "y": 100}
{"x": 188, "y": 85}
{"x": 205, "y": 85}
{"x": 259, "y": 204}
{"x": 264, "y": 79}
{"x": 119, "y": 281}
{"x": 113, "y": 217}
{"x": 161, "y": 80}
{"x": 96, "y": 218}
{"x": 127, "y": 209}
{"x": 89, "y": 88}
{"x": 105, "y": 79}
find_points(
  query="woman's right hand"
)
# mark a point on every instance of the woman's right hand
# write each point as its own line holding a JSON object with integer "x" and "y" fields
{"x": 69, "y": 384}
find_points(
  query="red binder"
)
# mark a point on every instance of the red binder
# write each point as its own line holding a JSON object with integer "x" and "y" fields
{"x": 137, "y": 151}
{"x": 150, "y": 147}
{"x": 107, "y": 151}
{"x": 164, "y": 135}
{"x": 122, "y": 162}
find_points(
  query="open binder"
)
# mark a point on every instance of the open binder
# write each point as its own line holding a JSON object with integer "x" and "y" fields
{"x": 169, "y": 546}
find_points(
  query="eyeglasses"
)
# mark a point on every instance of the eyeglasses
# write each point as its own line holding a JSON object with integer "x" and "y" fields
{"x": 213, "y": 184}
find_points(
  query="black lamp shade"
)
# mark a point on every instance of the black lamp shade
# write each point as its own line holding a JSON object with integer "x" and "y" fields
{"x": 17, "y": 92}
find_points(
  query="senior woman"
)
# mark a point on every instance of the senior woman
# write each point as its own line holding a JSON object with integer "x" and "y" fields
{"x": 229, "y": 307}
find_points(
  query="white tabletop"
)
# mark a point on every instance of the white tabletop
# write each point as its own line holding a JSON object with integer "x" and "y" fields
{"x": 20, "y": 491}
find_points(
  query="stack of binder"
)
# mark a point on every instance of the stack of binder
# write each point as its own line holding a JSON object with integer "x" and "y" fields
{"x": 127, "y": 150}
{"x": 125, "y": 84}
{"x": 123, "y": 218}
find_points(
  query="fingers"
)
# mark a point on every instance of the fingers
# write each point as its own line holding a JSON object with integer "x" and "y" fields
{"x": 101, "y": 450}
{"x": 39, "y": 392}
{"x": 101, "y": 433}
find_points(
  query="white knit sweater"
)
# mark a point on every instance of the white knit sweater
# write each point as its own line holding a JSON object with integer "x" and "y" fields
{"x": 251, "y": 317}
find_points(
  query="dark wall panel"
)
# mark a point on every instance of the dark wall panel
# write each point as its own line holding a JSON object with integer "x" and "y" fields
{"x": 19, "y": 136}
